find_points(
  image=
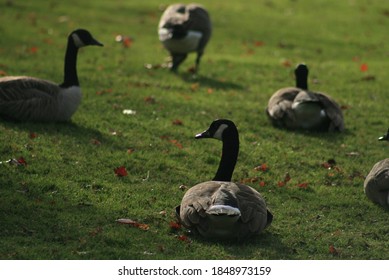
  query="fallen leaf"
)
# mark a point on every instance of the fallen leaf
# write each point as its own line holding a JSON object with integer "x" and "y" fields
{"x": 130, "y": 150}
{"x": 286, "y": 63}
{"x": 209, "y": 90}
{"x": 183, "y": 238}
{"x": 263, "y": 167}
{"x": 262, "y": 183}
{"x": 150, "y": 100}
{"x": 95, "y": 142}
{"x": 281, "y": 183}
{"x": 174, "y": 225}
{"x": 33, "y": 50}
{"x": 177, "y": 122}
{"x": 133, "y": 223}
{"x": 259, "y": 43}
{"x": 364, "y": 67}
{"x": 22, "y": 161}
{"x": 120, "y": 171}
{"x": 32, "y": 135}
{"x": 333, "y": 250}
{"x": 3, "y": 73}
{"x": 194, "y": 86}
{"x": 176, "y": 143}
{"x": 302, "y": 185}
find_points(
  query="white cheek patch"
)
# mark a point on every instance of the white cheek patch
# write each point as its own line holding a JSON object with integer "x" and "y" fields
{"x": 219, "y": 132}
{"x": 77, "y": 41}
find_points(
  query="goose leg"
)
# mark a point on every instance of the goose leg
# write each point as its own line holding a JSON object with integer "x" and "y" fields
{"x": 178, "y": 58}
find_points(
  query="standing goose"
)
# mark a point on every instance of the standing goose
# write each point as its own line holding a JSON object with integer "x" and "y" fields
{"x": 299, "y": 108}
{"x": 183, "y": 29}
{"x": 25, "y": 98}
{"x": 220, "y": 208}
{"x": 376, "y": 184}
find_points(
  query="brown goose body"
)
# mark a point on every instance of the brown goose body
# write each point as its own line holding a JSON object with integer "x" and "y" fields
{"x": 183, "y": 29}
{"x": 298, "y": 108}
{"x": 25, "y": 98}
{"x": 376, "y": 185}
{"x": 221, "y": 209}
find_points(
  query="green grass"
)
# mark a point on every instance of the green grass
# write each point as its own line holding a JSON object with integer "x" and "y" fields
{"x": 65, "y": 202}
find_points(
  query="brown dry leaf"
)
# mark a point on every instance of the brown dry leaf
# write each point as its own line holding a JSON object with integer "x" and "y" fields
{"x": 194, "y": 86}
{"x": 133, "y": 223}
{"x": 177, "y": 122}
{"x": 333, "y": 250}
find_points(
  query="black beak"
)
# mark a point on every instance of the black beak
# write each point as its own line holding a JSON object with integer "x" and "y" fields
{"x": 204, "y": 134}
{"x": 96, "y": 43}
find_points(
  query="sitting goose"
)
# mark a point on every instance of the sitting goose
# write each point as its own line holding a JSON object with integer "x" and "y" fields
{"x": 376, "y": 184}
{"x": 220, "y": 208}
{"x": 25, "y": 98}
{"x": 299, "y": 108}
{"x": 183, "y": 29}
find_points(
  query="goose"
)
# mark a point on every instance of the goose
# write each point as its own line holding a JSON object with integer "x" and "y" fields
{"x": 221, "y": 209}
{"x": 183, "y": 29}
{"x": 24, "y": 98}
{"x": 376, "y": 185}
{"x": 298, "y": 108}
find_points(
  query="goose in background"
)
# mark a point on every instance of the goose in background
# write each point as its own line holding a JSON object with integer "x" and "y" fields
{"x": 220, "y": 208}
{"x": 298, "y": 108}
{"x": 183, "y": 29}
{"x": 376, "y": 185}
{"x": 25, "y": 98}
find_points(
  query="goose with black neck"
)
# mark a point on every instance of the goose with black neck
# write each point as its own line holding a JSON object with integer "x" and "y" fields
{"x": 221, "y": 209}
{"x": 24, "y": 98}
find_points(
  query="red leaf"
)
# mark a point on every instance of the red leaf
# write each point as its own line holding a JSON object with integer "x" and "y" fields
{"x": 33, "y": 50}
{"x": 303, "y": 185}
{"x": 3, "y": 73}
{"x": 22, "y": 161}
{"x": 183, "y": 238}
{"x": 259, "y": 43}
{"x": 121, "y": 171}
{"x": 174, "y": 225}
{"x": 209, "y": 90}
{"x": 177, "y": 122}
{"x": 364, "y": 67}
{"x": 262, "y": 183}
{"x": 32, "y": 135}
{"x": 176, "y": 143}
{"x": 281, "y": 183}
{"x": 333, "y": 250}
{"x": 263, "y": 167}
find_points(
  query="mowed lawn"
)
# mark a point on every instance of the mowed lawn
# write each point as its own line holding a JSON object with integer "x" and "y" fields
{"x": 60, "y": 197}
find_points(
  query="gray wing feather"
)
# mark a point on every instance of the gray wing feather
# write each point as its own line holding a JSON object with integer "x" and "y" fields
{"x": 26, "y": 98}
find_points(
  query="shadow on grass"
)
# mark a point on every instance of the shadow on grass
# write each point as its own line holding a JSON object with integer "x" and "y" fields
{"x": 266, "y": 244}
{"x": 210, "y": 82}
{"x": 59, "y": 128}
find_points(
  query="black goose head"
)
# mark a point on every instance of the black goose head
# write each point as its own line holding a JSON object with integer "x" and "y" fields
{"x": 384, "y": 137}
{"x": 82, "y": 38}
{"x": 219, "y": 129}
{"x": 301, "y": 74}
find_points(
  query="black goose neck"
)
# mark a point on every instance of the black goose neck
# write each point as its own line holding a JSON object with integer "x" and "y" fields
{"x": 229, "y": 156}
{"x": 70, "y": 67}
{"x": 301, "y": 82}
